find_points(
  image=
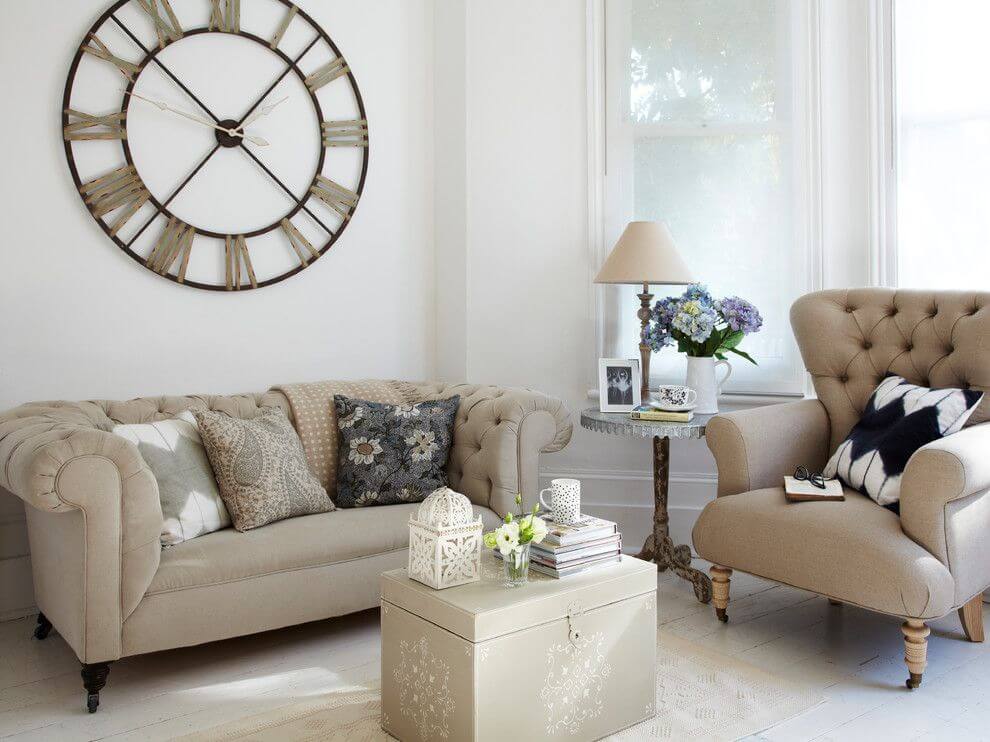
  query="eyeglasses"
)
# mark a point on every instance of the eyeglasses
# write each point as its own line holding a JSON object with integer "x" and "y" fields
{"x": 814, "y": 478}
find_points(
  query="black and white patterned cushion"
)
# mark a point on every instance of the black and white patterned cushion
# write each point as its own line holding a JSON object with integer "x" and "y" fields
{"x": 899, "y": 419}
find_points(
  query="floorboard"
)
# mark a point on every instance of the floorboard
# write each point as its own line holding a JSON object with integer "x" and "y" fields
{"x": 853, "y": 655}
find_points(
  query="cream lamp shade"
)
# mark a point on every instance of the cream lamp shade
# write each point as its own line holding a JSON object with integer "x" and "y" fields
{"x": 645, "y": 254}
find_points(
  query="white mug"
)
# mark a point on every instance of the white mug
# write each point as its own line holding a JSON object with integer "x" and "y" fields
{"x": 565, "y": 500}
{"x": 674, "y": 397}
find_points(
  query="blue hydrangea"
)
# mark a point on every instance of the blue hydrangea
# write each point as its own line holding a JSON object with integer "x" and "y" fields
{"x": 657, "y": 337}
{"x": 695, "y": 319}
{"x": 664, "y": 311}
{"x": 739, "y": 314}
{"x": 697, "y": 292}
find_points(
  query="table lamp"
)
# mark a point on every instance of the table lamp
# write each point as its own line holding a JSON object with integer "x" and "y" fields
{"x": 645, "y": 254}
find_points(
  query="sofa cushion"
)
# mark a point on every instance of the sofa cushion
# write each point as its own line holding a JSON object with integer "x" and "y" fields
{"x": 261, "y": 468}
{"x": 299, "y": 543}
{"x": 173, "y": 450}
{"x": 852, "y": 551}
{"x": 391, "y": 454}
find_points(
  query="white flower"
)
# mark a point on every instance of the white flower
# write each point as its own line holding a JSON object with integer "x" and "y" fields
{"x": 406, "y": 411}
{"x": 347, "y": 421}
{"x": 507, "y": 538}
{"x": 364, "y": 451}
{"x": 366, "y": 498}
{"x": 539, "y": 529}
{"x": 423, "y": 443}
{"x": 407, "y": 493}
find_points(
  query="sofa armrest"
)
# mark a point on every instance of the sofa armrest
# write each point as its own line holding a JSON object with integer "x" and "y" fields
{"x": 945, "y": 505}
{"x": 499, "y": 434}
{"x": 756, "y": 448}
{"x": 94, "y": 522}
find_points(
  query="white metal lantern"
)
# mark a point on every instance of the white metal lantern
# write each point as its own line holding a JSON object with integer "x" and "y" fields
{"x": 445, "y": 541}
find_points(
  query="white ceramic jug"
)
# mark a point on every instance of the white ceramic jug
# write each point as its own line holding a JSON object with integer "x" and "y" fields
{"x": 701, "y": 378}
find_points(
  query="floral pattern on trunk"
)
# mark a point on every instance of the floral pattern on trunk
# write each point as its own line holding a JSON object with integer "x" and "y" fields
{"x": 390, "y": 454}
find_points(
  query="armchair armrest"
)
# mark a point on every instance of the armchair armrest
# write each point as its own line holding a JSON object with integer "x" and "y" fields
{"x": 499, "y": 434}
{"x": 756, "y": 448}
{"x": 945, "y": 507}
{"x": 94, "y": 522}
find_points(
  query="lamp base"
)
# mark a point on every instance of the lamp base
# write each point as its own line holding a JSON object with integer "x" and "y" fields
{"x": 645, "y": 300}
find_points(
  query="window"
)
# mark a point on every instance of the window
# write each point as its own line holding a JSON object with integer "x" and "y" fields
{"x": 940, "y": 183}
{"x": 707, "y": 128}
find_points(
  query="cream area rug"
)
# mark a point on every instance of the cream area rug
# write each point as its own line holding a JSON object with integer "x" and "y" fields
{"x": 701, "y": 695}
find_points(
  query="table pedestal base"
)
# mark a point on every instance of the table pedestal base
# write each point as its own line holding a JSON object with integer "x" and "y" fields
{"x": 658, "y": 547}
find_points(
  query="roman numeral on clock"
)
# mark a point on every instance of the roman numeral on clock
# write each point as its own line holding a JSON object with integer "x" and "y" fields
{"x": 352, "y": 133}
{"x": 236, "y": 255}
{"x": 340, "y": 199}
{"x": 166, "y": 24}
{"x": 226, "y": 16}
{"x": 176, "y": 241}
{"x": 99, "y": 50}
{"x": 121, "y": 189}
{"x": 86, "y": 126}
{"x": 284, "y": 26}
{"x": 300, "y": 244}
{"x": 327, "y": 74}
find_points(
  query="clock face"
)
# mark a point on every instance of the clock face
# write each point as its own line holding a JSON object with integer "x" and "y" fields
{"x": 223, "y": 144}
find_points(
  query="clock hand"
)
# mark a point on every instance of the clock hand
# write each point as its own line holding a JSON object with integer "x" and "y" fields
{"x": 263, "y": 111}
{"x": 199, "y": 120}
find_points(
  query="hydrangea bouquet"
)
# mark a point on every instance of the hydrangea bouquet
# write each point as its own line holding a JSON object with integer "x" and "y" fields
{"x": 513, "y": 539}
{"x": 702, "y": 326}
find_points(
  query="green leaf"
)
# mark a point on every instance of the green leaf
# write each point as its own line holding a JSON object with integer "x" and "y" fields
{"x": 744, "y": 354}
{"x": 720, "y": 355}
{"x": 733, "y": 339}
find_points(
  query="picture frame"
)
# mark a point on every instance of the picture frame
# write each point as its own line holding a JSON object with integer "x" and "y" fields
{"x": 619, "y": 384}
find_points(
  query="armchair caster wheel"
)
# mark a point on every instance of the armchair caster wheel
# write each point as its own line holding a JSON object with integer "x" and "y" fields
{"x": 43, "y": 628}
{"x": 722, "y": 615}
{"x": 914, "y": 681}
{"x": 93, "y": 702}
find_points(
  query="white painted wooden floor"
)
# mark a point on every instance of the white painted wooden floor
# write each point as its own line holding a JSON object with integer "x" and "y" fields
{"x": 853, "y": 655}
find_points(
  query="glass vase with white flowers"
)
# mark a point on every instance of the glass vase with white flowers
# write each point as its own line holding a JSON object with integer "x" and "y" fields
{"x": 513, "y": 539}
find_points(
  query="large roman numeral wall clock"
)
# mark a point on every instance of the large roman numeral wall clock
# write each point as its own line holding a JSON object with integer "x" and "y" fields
{"x": 222, "y": 144}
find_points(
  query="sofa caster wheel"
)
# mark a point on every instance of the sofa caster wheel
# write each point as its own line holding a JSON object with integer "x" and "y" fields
{"x": 43, "y": 628}
{"x": 94, "y": 677}
{"x": 722, "y": 615}
{"x": 914, "y": 681}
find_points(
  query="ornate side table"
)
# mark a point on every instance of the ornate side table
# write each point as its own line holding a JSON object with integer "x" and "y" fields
{"x": 658, "y": 547}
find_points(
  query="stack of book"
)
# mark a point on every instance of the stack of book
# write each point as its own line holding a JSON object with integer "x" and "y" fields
{"x": 570, "y": 549}
{"x": 654, "y": 414}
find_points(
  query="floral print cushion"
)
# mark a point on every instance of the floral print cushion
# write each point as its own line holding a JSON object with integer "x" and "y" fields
{"x": 390, "y": 454}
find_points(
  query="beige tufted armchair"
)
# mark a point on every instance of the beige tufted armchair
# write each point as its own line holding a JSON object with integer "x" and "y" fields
{"x": 932, "y": 559}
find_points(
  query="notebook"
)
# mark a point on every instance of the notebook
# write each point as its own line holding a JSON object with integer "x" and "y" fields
{"x": 797, "y": 490}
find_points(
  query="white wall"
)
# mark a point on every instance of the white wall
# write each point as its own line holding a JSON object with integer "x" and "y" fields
{"x": 80, "y": 320}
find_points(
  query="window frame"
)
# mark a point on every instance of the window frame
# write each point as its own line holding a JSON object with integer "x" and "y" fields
{"x": 606, "y": 197}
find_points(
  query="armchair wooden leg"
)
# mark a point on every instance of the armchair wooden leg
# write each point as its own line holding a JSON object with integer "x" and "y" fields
{"x": 971, "y": 616}
{"x": 94, "y": 678}
{"x": 915, "y": 649}
{"x": 721, "y": 577}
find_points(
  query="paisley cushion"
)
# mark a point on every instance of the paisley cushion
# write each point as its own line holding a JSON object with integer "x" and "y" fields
{"x": 260, "y": 468}
{"x": 391, "y": 454}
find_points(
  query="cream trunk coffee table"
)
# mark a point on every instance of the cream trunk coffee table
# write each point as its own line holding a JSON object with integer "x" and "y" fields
{"x": 572, "y": 659}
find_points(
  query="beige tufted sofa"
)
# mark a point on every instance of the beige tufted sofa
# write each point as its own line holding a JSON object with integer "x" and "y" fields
{"x": 935, "y": 557}
{"x": 103, "y": 581}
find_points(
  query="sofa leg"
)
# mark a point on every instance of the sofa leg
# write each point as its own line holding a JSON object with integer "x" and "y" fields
{"x": 721, "y": 577}
{"x": 915, "y": 649}
{"x": 971, "y": 616}
{"x": 834, "y": 602}
{"x": 43, "y": 628}
{"x": 94, "y": 678}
